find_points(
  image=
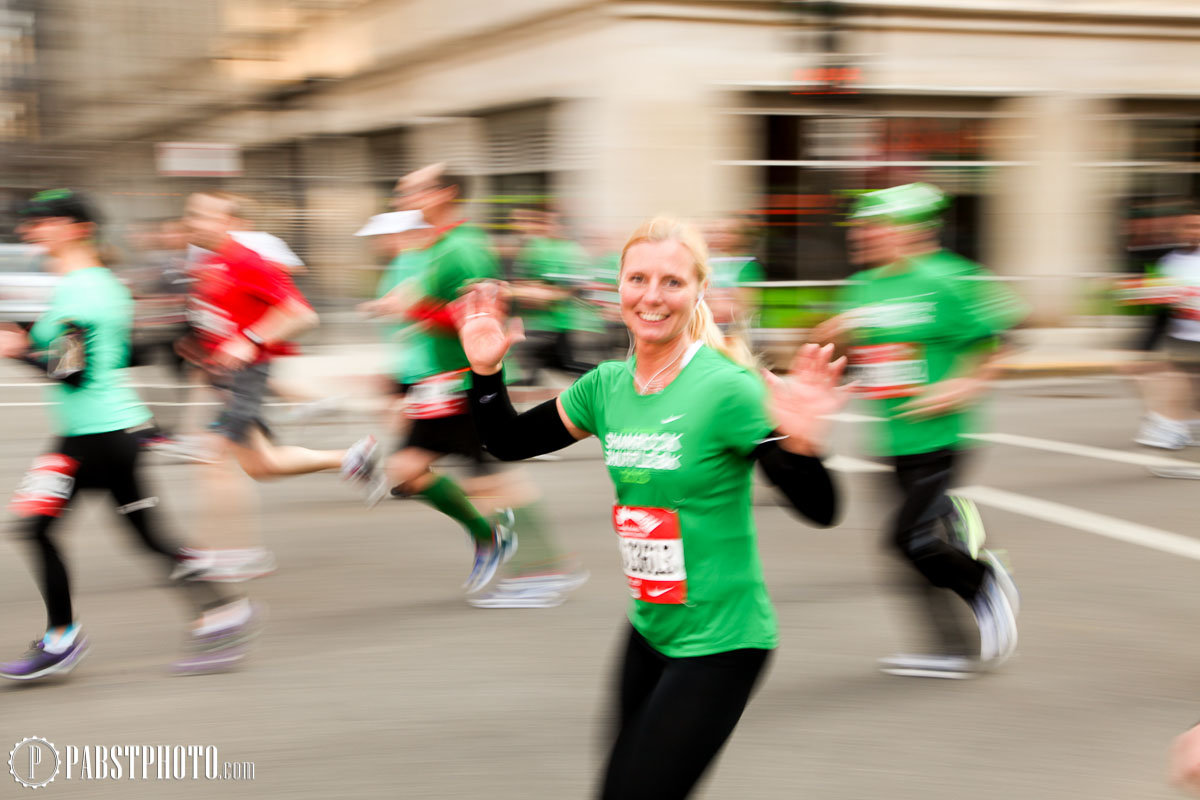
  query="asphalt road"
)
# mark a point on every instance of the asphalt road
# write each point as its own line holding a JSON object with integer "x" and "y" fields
{"x": 375, "y": 679}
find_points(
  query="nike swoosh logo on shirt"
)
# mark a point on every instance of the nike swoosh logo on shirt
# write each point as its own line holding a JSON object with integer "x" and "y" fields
{"x": 658, "y": 592}
{"x": 671, "y": 419}
{"x": 487, "y": 398}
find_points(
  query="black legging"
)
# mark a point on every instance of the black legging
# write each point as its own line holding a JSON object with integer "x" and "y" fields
{"x": 918, "y": 529}
{"x": 106, "y": 461}
{"x": 675, "y": 715}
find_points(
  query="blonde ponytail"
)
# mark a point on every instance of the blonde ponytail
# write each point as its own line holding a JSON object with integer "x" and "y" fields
{"x": 702, "y": 328}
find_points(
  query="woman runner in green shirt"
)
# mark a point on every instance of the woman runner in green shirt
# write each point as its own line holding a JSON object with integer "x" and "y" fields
{"x": 82, "y": 343}
{"x": 681, "y": 424}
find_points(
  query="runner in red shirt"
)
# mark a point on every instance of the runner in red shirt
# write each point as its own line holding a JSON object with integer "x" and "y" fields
{"x": 243, "y": 312}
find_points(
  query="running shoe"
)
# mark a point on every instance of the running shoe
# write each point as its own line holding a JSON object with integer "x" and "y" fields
{"x": 220, "y": 650}
{"x": 928, "y": 666}
{"x": 361, "y": 464}
{"x": 510, "y": 597}
{"x": 997, "y": 623}
{"x": 40, "y": 663}
{"x": 1003, "y": 575}
{"x": 489, "y": 557}
{"x": 1158, "y": 431}
{"x": 531, "y": 591}
{"x": 224, "y": 566}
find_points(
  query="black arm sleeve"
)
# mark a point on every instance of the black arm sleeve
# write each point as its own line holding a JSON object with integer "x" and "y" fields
{"x": 803, "y": 480}
{"x": 65, "y": 362}
{"x": 510, "y": 436}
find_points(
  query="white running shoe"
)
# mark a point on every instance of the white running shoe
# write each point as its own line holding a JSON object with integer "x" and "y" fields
{"x": 1166, "y": 434}
{"x": 1004, "y": 578}
{"x": 518, "y": 597}
{"x": 224, "y": 566}
{"x": 928, "y": 666}
{"x": 361, "y": 464}
{"x": 997, "y": 623}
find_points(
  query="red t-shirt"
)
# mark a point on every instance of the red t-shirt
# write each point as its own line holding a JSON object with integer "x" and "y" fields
{"x": 233, "y": 289}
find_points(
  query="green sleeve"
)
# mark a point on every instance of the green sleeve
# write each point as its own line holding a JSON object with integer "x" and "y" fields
{"x": 983, "y": 308}
{"x": 745, "y": 422}
{"x": 579, "y": 400}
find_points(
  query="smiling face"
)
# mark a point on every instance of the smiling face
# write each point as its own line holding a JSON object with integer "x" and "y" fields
{"x": 660, "y": 287}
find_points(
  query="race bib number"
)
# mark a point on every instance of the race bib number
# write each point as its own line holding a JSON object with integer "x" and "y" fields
{"x": 443, "y": 395}
{"x": 46, "y": 488}
{"x": 209, "y": 320}
{"x": 888, "y": 370}
{"x": 651, "y": 553}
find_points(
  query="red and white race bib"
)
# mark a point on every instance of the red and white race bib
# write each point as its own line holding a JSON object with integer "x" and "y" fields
{"x": 652, "y": 553}
{"x": 897, "y": 369}
{"x": 442, "y": 395}
{"x": 46, "y": 488}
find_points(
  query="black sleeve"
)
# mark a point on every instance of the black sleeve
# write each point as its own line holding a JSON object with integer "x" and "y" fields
{"x": 510, "y": 436}
{"x": 65, "y": 362}
{"x": 803, "y": 480}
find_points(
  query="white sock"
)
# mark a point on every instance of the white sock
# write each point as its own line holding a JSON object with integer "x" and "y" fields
{"x": 58, "y": 643}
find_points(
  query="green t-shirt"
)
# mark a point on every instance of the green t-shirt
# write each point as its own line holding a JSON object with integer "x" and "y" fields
{"x": 459, "y": 257}
{"x": 912, "y": 326}
{"x": 687, "y": 449}
{"x": 410, "y": 346}
{"x": 93, "y": 301}
{"x": 557, "y": 262}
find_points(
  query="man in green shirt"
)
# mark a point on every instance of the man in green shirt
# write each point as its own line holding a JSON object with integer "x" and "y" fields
{"x": 436, "y": 403}
{"x": 923, "y": 326}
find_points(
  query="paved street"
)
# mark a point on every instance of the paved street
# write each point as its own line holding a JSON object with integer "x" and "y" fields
{"x": 375, "y": 679}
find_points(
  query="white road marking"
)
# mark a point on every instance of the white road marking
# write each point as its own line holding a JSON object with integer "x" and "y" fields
{"x": 1099, "y": 524}
{"x": 1087, "y": 451}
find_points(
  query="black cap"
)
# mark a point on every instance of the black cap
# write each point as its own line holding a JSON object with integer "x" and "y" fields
{"x": 59, "y": 203}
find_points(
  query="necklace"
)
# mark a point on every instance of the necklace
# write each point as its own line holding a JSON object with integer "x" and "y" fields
{"x": 649, "y": 386}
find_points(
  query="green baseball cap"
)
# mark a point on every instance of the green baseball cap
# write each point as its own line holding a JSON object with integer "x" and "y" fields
{"x": 910, "y": 204}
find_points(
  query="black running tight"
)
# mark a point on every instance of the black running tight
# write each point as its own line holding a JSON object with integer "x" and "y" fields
{"x": 917, "y": 531}
{"x": 675, "y": 715}
{"x": 106, "y": 461}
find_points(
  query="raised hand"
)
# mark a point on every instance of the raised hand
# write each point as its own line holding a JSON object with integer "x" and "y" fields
{"x": 484, "y": 328}
{"x": 800, "y": 404}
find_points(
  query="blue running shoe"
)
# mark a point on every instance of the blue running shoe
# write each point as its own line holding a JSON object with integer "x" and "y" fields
{"x": 489, "y": 557}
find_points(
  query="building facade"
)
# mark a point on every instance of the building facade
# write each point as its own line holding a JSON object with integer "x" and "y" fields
{"x": 1057, "y": 124}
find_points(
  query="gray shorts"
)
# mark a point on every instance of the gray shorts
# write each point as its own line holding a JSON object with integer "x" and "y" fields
{"x": 243, "y": 393}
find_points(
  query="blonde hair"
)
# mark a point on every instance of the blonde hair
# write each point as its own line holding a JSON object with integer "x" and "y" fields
{"x": 702, "y": 328}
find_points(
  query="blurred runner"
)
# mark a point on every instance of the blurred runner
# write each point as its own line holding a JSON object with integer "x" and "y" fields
{"x": 735, "y": 304}
{"x": 82, "y": 342}
{"x": 1178, "y": 389}
{"x": 539, "y": 575}
{"x": 548, "y": 272}
{"x": 243, "y": 312}
{"x": 682, "y": 423}
{"x": 923, "y": 328}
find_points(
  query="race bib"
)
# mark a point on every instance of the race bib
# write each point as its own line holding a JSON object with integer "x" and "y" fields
{"x": 651, "y": 553}
{"x": 209, "y": 320}
{"x": 443, "y": 395}
{"x": 888, "y": 370}
{"x": 46, "y": 488}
